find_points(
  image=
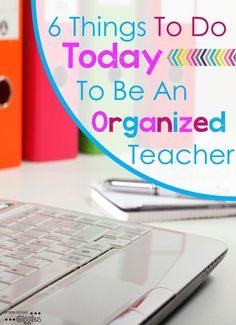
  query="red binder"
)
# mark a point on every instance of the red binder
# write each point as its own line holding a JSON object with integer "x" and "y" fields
{"x": 49, "y": 133}
{"x": 10, "y": 83}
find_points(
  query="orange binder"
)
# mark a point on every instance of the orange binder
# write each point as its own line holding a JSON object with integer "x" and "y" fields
{"x": 10, "y": 83}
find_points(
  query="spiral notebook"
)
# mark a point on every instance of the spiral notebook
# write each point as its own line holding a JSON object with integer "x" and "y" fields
{"x": 148, "y": 208}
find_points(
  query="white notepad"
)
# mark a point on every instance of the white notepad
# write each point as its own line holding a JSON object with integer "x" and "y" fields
{"x": 148, "y": 208}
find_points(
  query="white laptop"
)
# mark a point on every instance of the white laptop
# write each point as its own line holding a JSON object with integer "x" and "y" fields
{"x": 63, "y": 267}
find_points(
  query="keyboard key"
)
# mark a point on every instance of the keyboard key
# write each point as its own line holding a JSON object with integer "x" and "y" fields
{"x": 72, "y": 224}
{"x": 67, "y": 231}
{"x": 35, "y": 281}
{"x": 22, "y": 239}
{"x": 45, "y": 242}
{"x": 60, "y": 249}
{"x": 99, "y": 246}
{"x": 33, "y": 248}
{"x": 130, "y": 236}
{"x": 56, "y": 236}
{"x": 51, "y": 212}
{"x": 35, "y": 234}
{"x": 90, "y": 234}
{"x": 89, "y": 252}
{"x": 80, "y": 226}
{"x": 3, "y": 238}
{"x": 3, "y": 286}
{"x": 53, "y": 223}
{"x": 72, "y": 243}
{"x": 37, "y": 219}
{"x": 45, "y": 228}
{"x": 48, "y": 256}
{"x": 2, "y": 268}
{"x": 115, "y": 233}
{"x": 23, "y": 215}
{"x": 11, "y": 220}
{"x": 88, "y": 219}
{"x": 4, "y": 251}
{"x": 70, "y": 216}
{"x": 21, "y": 227}
{"x": 21, "y": 269}
{"x": 33, "y": 208}
{"x": 108, "y": 224}
{"x": 35, "y": 262}
{"x": 78, "y": 259}
{"x": 8, "y": 261}
{"x": 10, "y": 245}
{"x": 67, "y": 223}
{"x": 20, "y": 254}
{"x": 8, "y": 277}
{"x": 8, "y": 232}
{"x": 116, "y": 243}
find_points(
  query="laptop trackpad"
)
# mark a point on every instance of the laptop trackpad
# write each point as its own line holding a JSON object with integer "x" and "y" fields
{"x": 89, "y": 300}
{"x": 107, "y": 289}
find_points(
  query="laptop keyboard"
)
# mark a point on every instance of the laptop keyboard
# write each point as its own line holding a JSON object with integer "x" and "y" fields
{"x": 40, "y": 245}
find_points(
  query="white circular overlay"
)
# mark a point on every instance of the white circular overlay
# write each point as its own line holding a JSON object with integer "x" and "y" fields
{"x": 152, "y": 83}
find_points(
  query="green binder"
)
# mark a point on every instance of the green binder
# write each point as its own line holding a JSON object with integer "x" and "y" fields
{"x": 87, "y": 146}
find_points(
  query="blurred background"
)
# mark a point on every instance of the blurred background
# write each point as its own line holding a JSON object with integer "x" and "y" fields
{"x": 33, "y": 124}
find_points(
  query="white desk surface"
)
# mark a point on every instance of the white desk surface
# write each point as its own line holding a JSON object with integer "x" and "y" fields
{"x": 67, "y": 185}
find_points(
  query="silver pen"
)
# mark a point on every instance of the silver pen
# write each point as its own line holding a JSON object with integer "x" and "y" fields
{"x": 140, "y": 187}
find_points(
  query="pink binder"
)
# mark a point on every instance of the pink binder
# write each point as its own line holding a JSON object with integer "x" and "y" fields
{"x": 48, "y": 131}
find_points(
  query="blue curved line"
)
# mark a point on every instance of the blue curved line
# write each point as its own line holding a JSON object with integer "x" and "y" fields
{"x": 99, "y": 145}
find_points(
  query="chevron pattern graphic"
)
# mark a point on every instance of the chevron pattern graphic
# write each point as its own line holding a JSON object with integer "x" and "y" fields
{"x": 202, "y": 57}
